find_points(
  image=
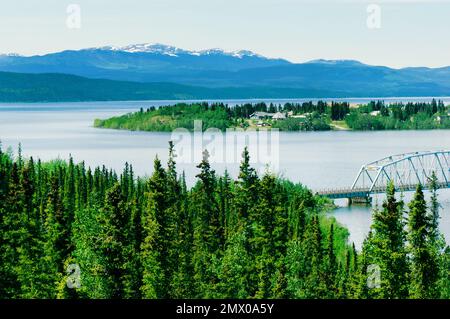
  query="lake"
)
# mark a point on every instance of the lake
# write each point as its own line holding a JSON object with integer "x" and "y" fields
{"x": 317, "y": 159}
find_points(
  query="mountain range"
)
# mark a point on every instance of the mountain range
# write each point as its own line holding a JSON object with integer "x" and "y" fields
{"x": 233, "y": 73}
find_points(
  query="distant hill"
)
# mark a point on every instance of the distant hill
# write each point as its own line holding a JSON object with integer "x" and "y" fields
{"x": 21, "y": 87}
{"x": 216, "y": 68}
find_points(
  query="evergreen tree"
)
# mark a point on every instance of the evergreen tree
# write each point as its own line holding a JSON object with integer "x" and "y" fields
{"x": 154, "y": 265}
{"x": 434, "y": 211}
{"x": 114, "y": 218}
{"x": 47, "y": 262}
{"x": 28, "y": 269}
{"x": 437, "y": 242}
{"x": 233, "y": 271}
{"x": 247, "y": 186}
{"x": 331, "y": 265}
{"x": 182, "y": 286}
{"x": 173, "y": 218}
{"x": 385, "y": 248}
{"x": 208, "y": 235}
{"x": 315, "y": 284}
{"x": 424, "y": 260}
{"x": 69, "y": 200}
{"x": 262, "y": 242}
{"x": 13, "y": 235}
{"x": 295, "y": 265}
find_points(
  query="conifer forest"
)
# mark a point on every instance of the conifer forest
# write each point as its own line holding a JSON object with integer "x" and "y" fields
{"x": 73, "y": 232}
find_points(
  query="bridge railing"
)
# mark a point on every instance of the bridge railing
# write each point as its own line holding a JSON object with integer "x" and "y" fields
{"x": 377, "y": 189}
{"x": 343, "y": 190}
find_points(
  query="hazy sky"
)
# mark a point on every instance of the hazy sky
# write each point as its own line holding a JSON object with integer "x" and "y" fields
{"x": 412, "y": 32}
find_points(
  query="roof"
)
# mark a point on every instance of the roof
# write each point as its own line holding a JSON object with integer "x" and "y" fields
{"x": 262, "y": 114}
{"x": 279, "y": 115}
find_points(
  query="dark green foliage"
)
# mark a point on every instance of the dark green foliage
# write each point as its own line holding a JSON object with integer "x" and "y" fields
{"x": 385, "y": 248}
{"x": 411, "y": 260}
{"x": 424, "y": 258}
{"x": 12, "y": 232}
{"x": 72, "y": 232}
{"x": 300, "y": 117}
{"x": 339, "y": 110}
{"x": 133, "y": 238}
{"x": 399, "y": 116}
{"x": 219, "y": 116}
{"x": 445, "y": 274}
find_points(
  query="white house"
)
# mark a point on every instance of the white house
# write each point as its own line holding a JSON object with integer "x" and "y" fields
{"x": 261, "y": 115}
{"x": 279, "y": 116}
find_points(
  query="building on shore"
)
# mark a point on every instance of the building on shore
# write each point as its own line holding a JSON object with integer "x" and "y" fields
{"x": 261, "y": 116}
{"x": 279, "y": 116}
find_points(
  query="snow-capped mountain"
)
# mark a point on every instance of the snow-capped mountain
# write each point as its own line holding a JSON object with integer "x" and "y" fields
{"x": 146, "y": 48}
{"x": 336, "y": 62}
{"x": 215, "y": 68}
{"x": 169, "y": 50}
{"x": 142, "y": 63}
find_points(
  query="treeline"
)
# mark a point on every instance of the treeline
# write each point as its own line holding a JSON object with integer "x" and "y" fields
{"x": 306, "y": 116}
{"x": 71, "y": 232}
{"x": 168, "y": 118}
{"x": 399, "y": 116}
{"x": 222, "y": 116}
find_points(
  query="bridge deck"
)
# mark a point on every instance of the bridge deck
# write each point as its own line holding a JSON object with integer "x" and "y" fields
{"x": 366, "y": 192}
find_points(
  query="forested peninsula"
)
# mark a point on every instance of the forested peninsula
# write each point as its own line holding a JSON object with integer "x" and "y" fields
{"x": 307, "y": 116}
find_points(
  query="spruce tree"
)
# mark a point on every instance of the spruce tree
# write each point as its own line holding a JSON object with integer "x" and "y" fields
{"x": 12, "y": 235}
{"x": 247, "y": 186}
{"x": 234, "y": 269}
{"x": 114, "y": 218}
{"x": 173, "y": 217}
{"x": 208, "y": 236}
{"x": 385, "y": 248}
{"x": 182, "y": 285}
{"x": 424, "y": 261}
{"x": 154, "y": 266}
{"x": 315, "y": 284}
{"x": 295, "y": 272}
{"x": 331, "y": 265}
{"x": 89, "y": 256}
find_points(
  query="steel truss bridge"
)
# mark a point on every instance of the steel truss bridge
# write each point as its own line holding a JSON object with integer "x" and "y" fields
{"x": 406, "y": 171}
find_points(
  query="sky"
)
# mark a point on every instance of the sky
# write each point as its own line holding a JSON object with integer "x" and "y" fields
{"x": 395, "y": 33}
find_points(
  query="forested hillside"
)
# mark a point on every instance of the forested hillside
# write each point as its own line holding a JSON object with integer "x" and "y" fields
{"x": 68, "y": 231}
{"x": 20, "y": 87}
{"x": 55, "y": 87}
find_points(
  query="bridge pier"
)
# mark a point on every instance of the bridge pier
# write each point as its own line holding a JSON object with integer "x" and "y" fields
{"x": 365, "y": 200}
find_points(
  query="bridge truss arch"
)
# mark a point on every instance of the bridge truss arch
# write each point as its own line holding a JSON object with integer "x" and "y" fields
{"x": 405, "y": 170}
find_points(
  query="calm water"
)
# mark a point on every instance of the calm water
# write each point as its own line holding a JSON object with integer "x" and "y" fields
{"x": 316, "y": 159}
